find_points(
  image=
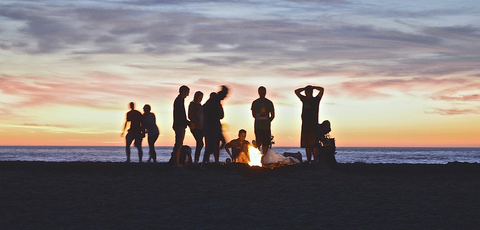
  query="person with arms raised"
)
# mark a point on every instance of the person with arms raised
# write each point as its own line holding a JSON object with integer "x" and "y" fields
{"x": 310, "y": 109}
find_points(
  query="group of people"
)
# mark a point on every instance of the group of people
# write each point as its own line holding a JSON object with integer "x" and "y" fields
{"x": 140, "y": 124}
{"x": 204, "y": 123}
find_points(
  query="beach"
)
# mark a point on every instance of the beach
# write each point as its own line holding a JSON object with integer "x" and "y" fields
{"x": 97, "y": 195}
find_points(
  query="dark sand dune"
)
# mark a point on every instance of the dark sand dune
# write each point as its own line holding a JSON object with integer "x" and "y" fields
{"x": 41, "y": 195}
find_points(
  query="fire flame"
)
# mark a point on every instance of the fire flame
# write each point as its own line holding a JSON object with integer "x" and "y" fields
{"x": 255, "y": 156}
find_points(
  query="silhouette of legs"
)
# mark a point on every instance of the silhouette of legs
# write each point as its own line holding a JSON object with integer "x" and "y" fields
{"x": 198, "y": 134}
{"x": 151, "y": 148}
{"x": 179, "y": 137}
{"x": 128, "y": 142}
{"x": 312, "y": 151}
{"x": 212, "y": 141}
{"x": 216, "y": 144}
{"x": 138, "y": 143}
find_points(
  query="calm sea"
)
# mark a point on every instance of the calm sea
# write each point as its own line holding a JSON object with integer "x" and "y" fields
{"x": 344, "y": 154}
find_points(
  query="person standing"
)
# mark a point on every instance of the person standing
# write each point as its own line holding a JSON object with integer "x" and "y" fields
{"x": 264, "y": 113}
{"x": 135, "y": 132}
{"x": 180, "y": 122}
{"x": 310, "y": 109}
{"x": 150, "y": 127}
{"x": 195, "y": 114}
{"x": 212, "y": 127}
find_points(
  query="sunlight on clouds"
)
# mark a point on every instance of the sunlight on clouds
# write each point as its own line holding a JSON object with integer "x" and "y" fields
{"x": 394, "y": 73}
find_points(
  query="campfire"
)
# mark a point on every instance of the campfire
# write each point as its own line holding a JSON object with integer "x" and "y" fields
{"x": 255, "y": 156}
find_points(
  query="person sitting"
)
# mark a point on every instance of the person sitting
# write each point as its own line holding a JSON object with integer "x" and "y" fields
{"x": 239, "y": 153}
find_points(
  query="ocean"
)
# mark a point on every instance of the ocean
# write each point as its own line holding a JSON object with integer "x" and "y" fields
{"x": 371, "y": 155}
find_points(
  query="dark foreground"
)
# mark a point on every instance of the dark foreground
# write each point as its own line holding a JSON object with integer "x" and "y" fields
{"x": 39, "y": 195}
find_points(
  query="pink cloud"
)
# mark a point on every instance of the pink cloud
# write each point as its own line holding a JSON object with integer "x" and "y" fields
{"x": 96, "y": 90}
{"x": 455, "y": 111}
{"x": 471, "y": 97}
{"x": 459, "y": 93}
{"x": 385, "y": 87}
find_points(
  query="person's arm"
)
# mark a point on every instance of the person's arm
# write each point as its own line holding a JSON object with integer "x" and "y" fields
{"x": 143, "y": 127}
{"x": 144, "y": 122}
{"x": 253, "y": 111}
{"x": 272, "y": 114}
{"x": 193, "y": 115}
{"x": 298, "y": 91}
{"x": 191, "y": 112}
{"x": 320, "y": 90}
{"x": 124, "y": 127}
{"x": 180, "y": 113}
{"x": 227, "y": 149}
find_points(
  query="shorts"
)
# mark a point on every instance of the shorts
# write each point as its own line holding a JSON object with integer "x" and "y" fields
{"x": 138, "y": 137}
{"x": 263, "y": 137}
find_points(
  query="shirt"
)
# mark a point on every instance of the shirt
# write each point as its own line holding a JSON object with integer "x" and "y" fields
{"x": 135, "y": 119}
{"x": 179, "y": 114}
{"x": 262, "y": 110}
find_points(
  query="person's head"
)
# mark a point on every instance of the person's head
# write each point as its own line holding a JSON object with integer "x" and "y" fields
{"x": 242, "y": 134}
{"x": 147, "y": 108}
{"x": 309, "y": 91}
{"x": 213, "y": 96}
{"x": 131, "y": 105}
{"x": 184, "y": 91}
{"x": 197, "y": 98}
{"x": 262, "y": 91}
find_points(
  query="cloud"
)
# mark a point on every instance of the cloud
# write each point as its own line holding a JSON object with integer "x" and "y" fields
{"x": 281, "y": 40}
{"x": 45, "y": 125}
{"x": 455, "y": 111}
{"x": 470, "y": 97}
{"x": 101, "y": 90}
{"x": 285, "y": 40}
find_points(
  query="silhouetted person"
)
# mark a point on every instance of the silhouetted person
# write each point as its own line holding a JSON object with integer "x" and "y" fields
{"x": 150, "y": 127}
{"x": 180, "y": 122}
{"x": 264, "y": 113}
{"x": 310, "y": 108}
{"x": 239, "y": 148}
{"x": 213, "y": 113}
{"x": 195, "y": 114}
{"x": 135, "y": 132}
{"x": 211, "y": 124}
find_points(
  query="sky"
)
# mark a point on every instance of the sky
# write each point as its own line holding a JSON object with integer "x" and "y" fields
{"x": 395, "y": 73}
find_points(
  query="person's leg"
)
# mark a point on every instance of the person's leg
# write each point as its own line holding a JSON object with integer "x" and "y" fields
{"x": 222, "y": 139}
{"x": 209, "y": 142}
{"x": 198, "y": 135}
{"x": 216, "y": 145}
{"x": 242, "y": 158}
{"x": 258, "y": 140}
{"x": 149, "y": 141}
{"x": 138, "y": 144}
{"x": 151, "y": 147}
{"x": 308, "y": 151}
{"x": 315, "y": 155}
{"x": 267, "y": 141}
{"x": 128, "y": 142}
{"x": 179, "y": 137}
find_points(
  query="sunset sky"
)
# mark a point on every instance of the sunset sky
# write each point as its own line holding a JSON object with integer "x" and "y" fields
{"x": 395, "y": 73}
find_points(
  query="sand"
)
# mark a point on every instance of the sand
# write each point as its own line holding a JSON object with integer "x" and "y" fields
{"x": 41, "y": 195}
